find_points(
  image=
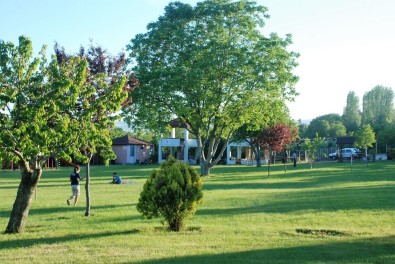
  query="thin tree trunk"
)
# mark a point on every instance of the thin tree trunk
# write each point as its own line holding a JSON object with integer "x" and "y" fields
{"x": 87, "y": 188}
{"x": 21, "y": 207}
{"x": 257, "y": 151}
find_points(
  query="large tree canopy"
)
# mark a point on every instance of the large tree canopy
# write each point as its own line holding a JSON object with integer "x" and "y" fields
{"x": 210, "y": 66}
{"x": 327, "y": 126}
{"x": 37, "y": 121}
{"x": 49, "y": 110}
{"x": 378, "y": 107}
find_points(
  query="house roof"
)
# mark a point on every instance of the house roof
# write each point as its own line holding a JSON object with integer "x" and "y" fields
{"x": 345, "y": 140}
{"x": 129, "y": 140}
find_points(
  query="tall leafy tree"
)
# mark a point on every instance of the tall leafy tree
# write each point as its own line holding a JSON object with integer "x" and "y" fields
{"x": 365, "y": 138}
{"x": 378, "y": 107}
{"x": 51, "y": 110}
{"x": 211, "y": 67}
{"x": 351, "y": 113}
{"x": 37, "y": 117}
{"x": 107, "y": 85}
{"x": 328, "y": 126}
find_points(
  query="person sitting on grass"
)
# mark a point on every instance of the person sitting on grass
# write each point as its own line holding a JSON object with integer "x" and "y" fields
{"x": 116, "y": 178}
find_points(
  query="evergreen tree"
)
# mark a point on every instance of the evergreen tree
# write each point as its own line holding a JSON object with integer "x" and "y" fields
{"x": 172, "y": 192}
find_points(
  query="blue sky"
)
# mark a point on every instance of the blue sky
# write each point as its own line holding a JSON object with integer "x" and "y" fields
{"x": 345, "y": 45}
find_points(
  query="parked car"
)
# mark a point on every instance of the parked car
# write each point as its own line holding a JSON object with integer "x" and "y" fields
{"x": 333, "y": 156}
{"x": 355, "y": 153}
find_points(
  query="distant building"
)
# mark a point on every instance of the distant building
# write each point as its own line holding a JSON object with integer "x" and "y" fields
{"x": 184, "y": 148}
{"x": 180, "y": 148}
{"x": 130, "y": 150}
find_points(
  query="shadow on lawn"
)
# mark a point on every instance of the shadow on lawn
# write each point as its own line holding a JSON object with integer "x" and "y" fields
{"x": 329, "y": 199}
{"x": 22, "y": 243}
{"x": 66, "y": 209}
{"x": 374, "y": 250}
{"x": 247, "y": 178}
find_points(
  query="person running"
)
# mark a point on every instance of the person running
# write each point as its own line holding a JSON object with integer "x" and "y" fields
{"x": 75, "y": 185}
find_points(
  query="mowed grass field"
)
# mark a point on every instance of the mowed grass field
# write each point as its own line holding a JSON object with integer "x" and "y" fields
{"x": 334, "y": 213}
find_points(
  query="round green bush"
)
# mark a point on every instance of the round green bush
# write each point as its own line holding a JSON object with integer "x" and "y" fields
{"x": 172, "y": 192}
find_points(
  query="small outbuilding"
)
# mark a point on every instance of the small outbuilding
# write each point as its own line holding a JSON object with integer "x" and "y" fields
{"x": 130, "y": 150}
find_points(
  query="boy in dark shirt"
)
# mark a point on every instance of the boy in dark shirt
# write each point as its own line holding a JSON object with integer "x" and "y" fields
{"x": 75, "y": 185}
{"x": 116, "y": 178}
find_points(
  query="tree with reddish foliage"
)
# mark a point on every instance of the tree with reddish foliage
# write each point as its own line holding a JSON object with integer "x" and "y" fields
{"x": 275, "y": 138}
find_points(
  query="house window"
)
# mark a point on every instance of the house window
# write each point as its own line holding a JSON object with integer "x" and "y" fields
{"x": 131, "y": 151}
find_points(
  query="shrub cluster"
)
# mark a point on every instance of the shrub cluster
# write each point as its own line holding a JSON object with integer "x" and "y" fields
{"x": 172, "y": 192}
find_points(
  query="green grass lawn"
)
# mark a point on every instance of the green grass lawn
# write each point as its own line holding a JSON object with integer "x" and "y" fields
{"x": 333, "y": 213}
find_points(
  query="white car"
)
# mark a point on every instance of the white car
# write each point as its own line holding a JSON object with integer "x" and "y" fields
{"x": 332, "y": 156}
{"x": 347, "y": 153}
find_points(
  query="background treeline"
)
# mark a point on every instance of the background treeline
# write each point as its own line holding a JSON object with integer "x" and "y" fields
{"x": 377, "y": 111}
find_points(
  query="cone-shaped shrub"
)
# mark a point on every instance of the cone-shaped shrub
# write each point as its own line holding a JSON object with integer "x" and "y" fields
{"x": 172, "y": 192}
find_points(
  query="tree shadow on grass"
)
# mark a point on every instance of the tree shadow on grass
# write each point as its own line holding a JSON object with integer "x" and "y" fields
{"x": 66, "y": 209}
{"x": 329, "y": 199}
{"x": 23, "y": 243}
{"x": 297, "y": 179}
{"x": 373, "y": 250}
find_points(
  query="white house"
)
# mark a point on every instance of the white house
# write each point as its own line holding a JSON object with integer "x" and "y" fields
{"x": 177, "y": 147}
{"x": 184, "y": 148}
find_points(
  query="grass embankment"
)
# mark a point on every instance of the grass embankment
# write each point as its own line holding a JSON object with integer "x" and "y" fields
{"x": 334, "y": 213}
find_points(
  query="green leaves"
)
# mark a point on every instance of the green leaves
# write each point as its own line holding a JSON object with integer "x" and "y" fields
{"x": 172, "y": 192}
{"x": 50, "y": 109}
{"x": 378, "y": 107}
{"x": 365, "y": 137}
{"x": 312, "y": 146}
{"x": 34, "y": 99}
{"x": 352, "y": 113}
{"x": 210, "y": 66}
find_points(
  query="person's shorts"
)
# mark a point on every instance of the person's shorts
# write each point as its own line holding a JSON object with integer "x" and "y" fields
{"x": 75, "y": 189}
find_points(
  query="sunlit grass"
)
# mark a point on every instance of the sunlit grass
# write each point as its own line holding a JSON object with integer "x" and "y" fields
{"x": 334, "y": 213}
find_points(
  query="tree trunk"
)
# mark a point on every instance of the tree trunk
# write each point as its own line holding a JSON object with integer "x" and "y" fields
{"x": 20, "y": 210}
{"x": 87, "y": 188}
{"x": 258, "y": 156}
{"x": 204, "y": 168}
